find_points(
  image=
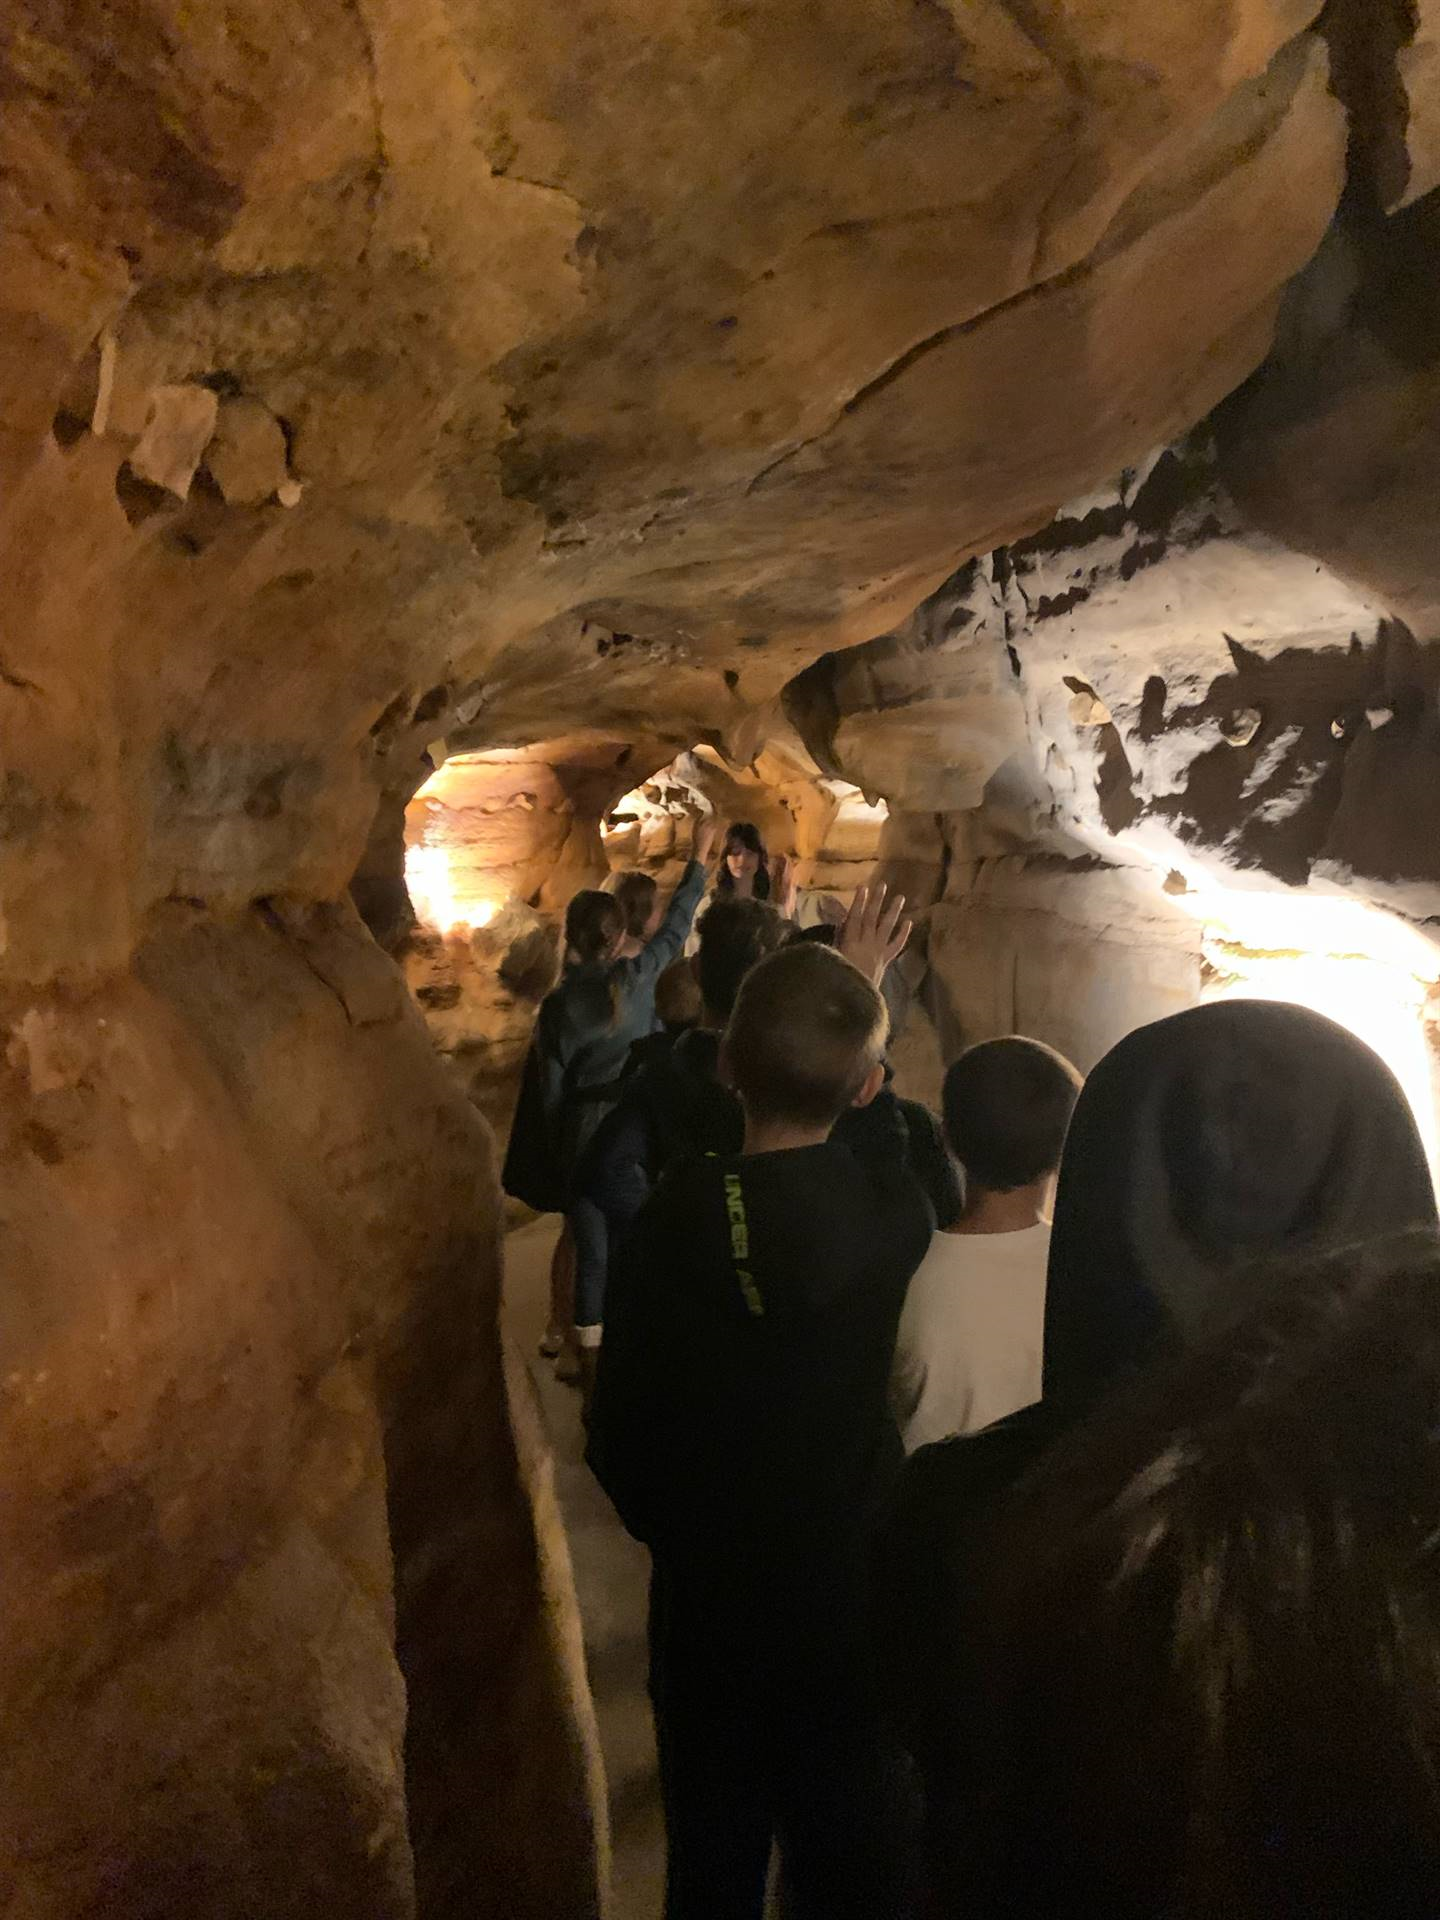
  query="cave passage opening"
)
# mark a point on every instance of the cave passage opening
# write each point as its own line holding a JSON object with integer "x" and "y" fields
{"x": 497, "y": 840}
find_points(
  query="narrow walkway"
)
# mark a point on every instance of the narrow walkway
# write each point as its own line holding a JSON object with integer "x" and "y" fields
{"x": 612, "y": 1575}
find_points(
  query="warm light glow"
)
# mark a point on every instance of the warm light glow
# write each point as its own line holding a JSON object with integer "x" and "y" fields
{"x": 434, "y": 898}
{"x": 1363, "y": 968}
{"x": 854, "y": 808}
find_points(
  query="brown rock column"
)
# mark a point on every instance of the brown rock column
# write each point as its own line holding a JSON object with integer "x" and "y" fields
{"x": 387, "y": 1165}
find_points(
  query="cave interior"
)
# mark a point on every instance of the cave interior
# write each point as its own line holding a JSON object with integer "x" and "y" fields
{"x": 444, "y": 448}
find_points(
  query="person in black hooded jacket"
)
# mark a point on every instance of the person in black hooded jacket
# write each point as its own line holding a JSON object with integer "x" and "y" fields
{"x": 1210, "y": 1632}
{"x": 741, "y": 1427}
{"x": 1218, "y": 1137}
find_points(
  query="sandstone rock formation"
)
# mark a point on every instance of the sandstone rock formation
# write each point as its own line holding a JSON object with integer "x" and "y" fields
{"x": 511, "y": 375}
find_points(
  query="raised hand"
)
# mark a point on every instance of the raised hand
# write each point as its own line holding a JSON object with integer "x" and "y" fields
{"x": 875, "y": 931}
{"x": 784, "y": 885}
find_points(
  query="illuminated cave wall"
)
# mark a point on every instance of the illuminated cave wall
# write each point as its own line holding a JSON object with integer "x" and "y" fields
{"x": 497, "y": 841}
{"x": 1079, "y": 952}
{"x": 1148, "y": 754}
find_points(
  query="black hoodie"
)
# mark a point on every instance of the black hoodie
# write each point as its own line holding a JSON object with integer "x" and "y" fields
{"x": 1200, "y": 1144}
{"x": 740, "y": 1421}
{"x": 675, "y": 1107}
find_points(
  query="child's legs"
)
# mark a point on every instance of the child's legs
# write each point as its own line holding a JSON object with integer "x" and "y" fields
{"x": 562, "y": 1282}
{"x": 715, "y": 1776}
{"x": 848, "y": 1828}
{"x": 718, "y": 1825}
{"x": 586, "y": 1224}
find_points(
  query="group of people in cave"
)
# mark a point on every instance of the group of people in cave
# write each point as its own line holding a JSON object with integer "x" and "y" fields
{"x": 1043, "y": 1498}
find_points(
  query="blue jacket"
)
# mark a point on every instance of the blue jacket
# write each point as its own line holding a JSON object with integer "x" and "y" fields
{"x": 583, "y": 1037}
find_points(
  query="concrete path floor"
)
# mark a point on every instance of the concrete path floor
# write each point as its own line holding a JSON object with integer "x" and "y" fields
{"x": 612, "y": 1574}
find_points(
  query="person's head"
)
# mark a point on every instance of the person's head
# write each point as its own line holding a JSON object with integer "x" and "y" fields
{"x": 1212, "y": 1639}
{"x": 635, "y": 895}
{"x": 806, "y": 1039}
{"x": 677, "y": 997}
{"x": 1233, "y": 1132}
{"x": 743, "y": 860}
{"x": 594, "y": 927}
{"x": 734, "y": 935}
{"x": 1007, "y": 1104}
{"x": 822, "y": 934}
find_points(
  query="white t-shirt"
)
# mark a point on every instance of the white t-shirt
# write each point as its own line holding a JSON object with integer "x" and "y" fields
{"x": 972, "y": 1334}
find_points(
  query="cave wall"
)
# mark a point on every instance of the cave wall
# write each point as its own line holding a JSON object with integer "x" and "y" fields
{"x": 379, "y": 374}
{"x": 264, "y": 1463}
{"x": 1149, "y": 702}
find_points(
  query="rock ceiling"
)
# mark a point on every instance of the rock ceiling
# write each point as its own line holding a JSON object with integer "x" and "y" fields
{"x": 384, "y": 370}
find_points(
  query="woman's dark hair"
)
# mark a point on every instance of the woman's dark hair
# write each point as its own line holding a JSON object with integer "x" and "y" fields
{"x": 1211, "y": 1646}
{"x": 744, "y": 833}
{"x": 635, "y": 896}
{"x": 594, "y": 924}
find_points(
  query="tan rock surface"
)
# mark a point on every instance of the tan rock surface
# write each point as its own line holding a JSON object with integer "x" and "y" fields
{"x": 626, "y": 361}
{"x": 581, "y": 399}
{"x": 253, "y": 1264}
{"x": 179, "y": 422}
{"x": 335, "y": 1084}
{"x": 1419, "y": 70}
{"x": 198, "y": 1587}
{"x": 247, "y": 457}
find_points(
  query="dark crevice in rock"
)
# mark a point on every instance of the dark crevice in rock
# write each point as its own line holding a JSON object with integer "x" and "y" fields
{"x": 1049, "y": 605}
{"x": 1365, "y": 38}
{"x": 222, "y": 382}
{"x": 1270, "y": 794}
{"x": 439, "y": 999}
{"x": 67, "y": 429}
{"x": 810, "y": 705}
{"x": 379, "y": 167}
{"x": 140, "y": 500}
{"x": 1066, "y": 530}
{"x": 1153, "y": 696}
{"x": 1143, "y": 553}
{"x": 391, "y": 721}
{"x": 430, "y": 706}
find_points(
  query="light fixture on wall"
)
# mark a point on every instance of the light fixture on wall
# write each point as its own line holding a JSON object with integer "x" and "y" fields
{"x": 437, "y": 903}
